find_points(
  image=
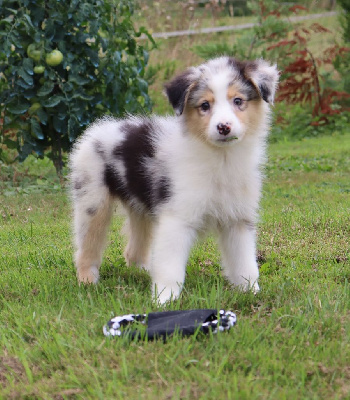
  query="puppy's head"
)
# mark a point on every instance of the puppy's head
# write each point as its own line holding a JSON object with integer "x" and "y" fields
{"x": 224, "y": 99}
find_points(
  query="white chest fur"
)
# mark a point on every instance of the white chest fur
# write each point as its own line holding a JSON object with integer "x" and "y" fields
{"x": 212, "y": 183}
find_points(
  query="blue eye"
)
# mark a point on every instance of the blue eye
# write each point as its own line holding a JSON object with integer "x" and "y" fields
{"x": 237, "y": 101}
{"x": 205, "y": 106}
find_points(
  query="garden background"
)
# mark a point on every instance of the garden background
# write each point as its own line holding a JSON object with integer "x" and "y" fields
{"x": 292, "y": 339}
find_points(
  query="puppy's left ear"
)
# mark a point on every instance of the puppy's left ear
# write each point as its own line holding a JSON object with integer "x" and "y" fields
{"x": 178, "y": 89}
{"x": 264, "y": 77}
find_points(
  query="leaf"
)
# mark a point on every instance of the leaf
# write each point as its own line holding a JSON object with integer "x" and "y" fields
{"x": 29, "y": 21}
{"x": 10, "y": 144}
{"x": 71, "y": 129}
{"x": 36, "y": 129}
{"x": 50, "y": 29}
{"x": 46, "y": 89}
{"x": 73, "y": 5}
{"x": 79, "y": 80}
{"x": 149, "y": 36}
{"x": 145, "y": 56}
{"x": 59, "y": 124}
{"x": 28, "y": 79}
{"x": 94, "y": 58}
{"x": 28, "y": 66}
{"x": 142, "y": 85}
{"x": 29, "y": 93}
{"x": 43, "y": 117}
{"x": 52, "y": 101}
{"x": 18, "y": 109}
{"x": 37, "y": 12}
{"x": 83, "y": 96}
{"x": 7, "y": 20}
{"x": 16, "y": 39}
{"x": 22, "y": 84}
{"x": 25, "y": 151}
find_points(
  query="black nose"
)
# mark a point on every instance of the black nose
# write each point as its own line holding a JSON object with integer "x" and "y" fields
{"x": 224, "y": 129}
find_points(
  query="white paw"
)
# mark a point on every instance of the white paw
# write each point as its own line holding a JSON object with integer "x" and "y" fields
{"x": 166, "y": 294}
{"x": 145, "y": 266}
{"x": 255, "y": 288}
{"x": 88, "y": 276}
{"x": 248, "y": 286}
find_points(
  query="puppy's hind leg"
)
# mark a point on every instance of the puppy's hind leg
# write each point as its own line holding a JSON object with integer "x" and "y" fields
{"x": 91, "y": 222}
{"x": 139, "y": 231}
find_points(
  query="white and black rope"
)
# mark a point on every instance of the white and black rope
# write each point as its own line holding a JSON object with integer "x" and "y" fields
{"x": 226, "y": 320}
{"x": 114, "y": 327}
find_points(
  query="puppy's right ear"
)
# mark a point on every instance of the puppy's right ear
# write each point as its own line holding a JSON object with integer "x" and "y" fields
{"x": 178, "y": 89}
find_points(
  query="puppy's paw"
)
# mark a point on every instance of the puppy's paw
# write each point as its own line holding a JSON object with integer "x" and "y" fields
{"x": 255, "y": 288}
{"x": 166, "y": 295}
{"x": 250, "y": 287}
{"x": 88, "y": 276}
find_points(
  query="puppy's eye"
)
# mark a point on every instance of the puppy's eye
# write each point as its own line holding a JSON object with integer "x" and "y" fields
{"x": 237, "y": 101}
{"x": 205, "y": 106}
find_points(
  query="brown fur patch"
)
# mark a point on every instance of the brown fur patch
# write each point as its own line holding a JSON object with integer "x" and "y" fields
{"x": 93, "y": 242}
{"x": 235, "y": 90}
{"x": 197, "y": 121}
{"x": 251, "y": 117}
{"x": 139, "y": 232}
{"x": 250, "y": 112}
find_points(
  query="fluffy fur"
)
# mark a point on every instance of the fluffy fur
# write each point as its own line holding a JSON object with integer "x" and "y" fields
{"x": 179, "y": 176}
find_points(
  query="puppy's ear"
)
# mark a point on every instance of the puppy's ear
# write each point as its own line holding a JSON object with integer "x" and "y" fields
{"x": 178, "y": 89}
{"x": 264, "y": 77}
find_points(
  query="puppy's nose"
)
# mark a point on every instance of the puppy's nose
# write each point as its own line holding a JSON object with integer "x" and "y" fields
{"x": 224, "y": 129}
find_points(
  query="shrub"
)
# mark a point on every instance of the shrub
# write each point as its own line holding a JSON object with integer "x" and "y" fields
{"x": 63, "y": 64}
{"x": 345, "y": 18}
{"x": 341, "y": 63}
{"x": 307, "y": 78}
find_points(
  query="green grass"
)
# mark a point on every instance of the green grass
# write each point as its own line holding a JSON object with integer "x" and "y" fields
{"x": 291, "y": 340}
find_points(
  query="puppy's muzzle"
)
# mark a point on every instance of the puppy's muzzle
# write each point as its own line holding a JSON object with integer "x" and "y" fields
{"x": 224, "y": 129}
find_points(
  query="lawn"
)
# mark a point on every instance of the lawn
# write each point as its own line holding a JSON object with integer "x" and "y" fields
{"x": 291, "y": 340}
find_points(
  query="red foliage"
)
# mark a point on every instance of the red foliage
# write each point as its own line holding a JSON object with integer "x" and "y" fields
{"x": 297, "y": 8}
{"x": 317, "y": 28}
{"x": 301, "y": 83}
{"x": 282, "y": 43}
{"x": 275, "y": 13}
{"x": 332, "y": 52}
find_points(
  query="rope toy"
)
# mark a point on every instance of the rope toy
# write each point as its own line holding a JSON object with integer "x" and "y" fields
{"x": 164, "y": 324}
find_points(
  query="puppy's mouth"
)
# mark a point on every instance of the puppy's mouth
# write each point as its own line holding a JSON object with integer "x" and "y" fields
{"x": 228, "y": 139}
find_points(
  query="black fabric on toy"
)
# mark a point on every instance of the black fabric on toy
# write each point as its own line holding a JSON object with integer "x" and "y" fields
{"x": 164, "y": 324}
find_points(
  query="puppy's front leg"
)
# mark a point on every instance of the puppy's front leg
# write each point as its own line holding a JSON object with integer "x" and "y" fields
{"x": 237, "y": 243}
{"x": 172, "y": 243}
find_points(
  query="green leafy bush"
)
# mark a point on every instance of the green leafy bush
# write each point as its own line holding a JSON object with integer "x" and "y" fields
{"x": 341, "y": 64}
{"x": 345, "y": 18}
{"x": 295, "y": 122}
{"x": 63, "y": 64}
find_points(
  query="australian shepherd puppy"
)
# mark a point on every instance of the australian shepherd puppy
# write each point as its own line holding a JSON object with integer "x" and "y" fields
{"x": 178, "y": 176}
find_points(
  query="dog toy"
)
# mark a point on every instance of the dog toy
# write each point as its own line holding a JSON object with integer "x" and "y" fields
{"x": 164, "y": 324}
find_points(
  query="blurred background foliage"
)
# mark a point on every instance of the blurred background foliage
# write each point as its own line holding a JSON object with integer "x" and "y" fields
{"x": 65, "y": 63}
